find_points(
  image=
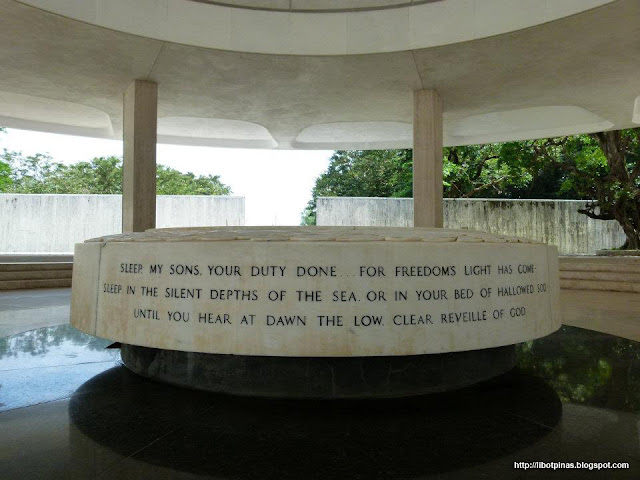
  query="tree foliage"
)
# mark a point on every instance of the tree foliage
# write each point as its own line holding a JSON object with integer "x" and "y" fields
{"x": 362, "y": 173}
{"x": 477, "y": 171}
{"x": 603, "y": 168}
{"x": 173, "y": 182}
{"x": 598, "y": 374}
{"x": 102, "y": 175}
{"x": 5, "y": 176}
{"x": 5, "y": 171}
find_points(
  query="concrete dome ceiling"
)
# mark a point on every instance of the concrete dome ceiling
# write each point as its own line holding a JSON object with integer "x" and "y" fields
{"x": 230, "y": 76}
{"x": 340, "y": 27}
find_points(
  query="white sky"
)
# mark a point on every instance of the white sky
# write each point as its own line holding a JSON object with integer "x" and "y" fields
{"x": 276, "y": 184}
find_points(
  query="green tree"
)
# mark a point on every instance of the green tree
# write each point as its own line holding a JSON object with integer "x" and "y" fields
{"x": 99, "y": 175}
{"x": 5, "y": 171}
{"x": 28, "y": 174}
{"x": 102, "y": 175}
{"x": 173, "y": 182}
{"x": 606, "y": 167}
{"x": 362, "y": 173}
{"x": 603, "y": 168}
{"x": 480, "y": 171}
{"x": 505, "y": 170}
{"x": 5, "y": 176}
{"x": 468, "y": 171}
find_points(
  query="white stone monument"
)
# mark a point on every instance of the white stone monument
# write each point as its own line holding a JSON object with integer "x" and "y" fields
{"x": 305, "y": 295}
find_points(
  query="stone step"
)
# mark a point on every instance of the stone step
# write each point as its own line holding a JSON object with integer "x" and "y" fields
{"x": 19, "y": 275}
{"x": 597, "y": 275}
{"x": 35, "y": 275}
{"x": 24, "y": 284}
{"x": 614, "y": 274}
{"x": 35, "y": 266}
{"x": 600, "y": 264}
{"x": 35, "y": 257}
{"x": 573, "y": 284}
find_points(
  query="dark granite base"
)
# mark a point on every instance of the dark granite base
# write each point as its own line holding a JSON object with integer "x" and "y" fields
{"x": 319, "y": 377}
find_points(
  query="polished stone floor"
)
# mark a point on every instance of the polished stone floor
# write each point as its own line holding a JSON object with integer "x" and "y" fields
{"x": 69, "y": 409}
{"x": 22, "y": 310}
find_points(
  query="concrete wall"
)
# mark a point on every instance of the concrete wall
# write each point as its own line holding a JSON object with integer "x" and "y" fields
{"x": 552, "y": 221}
{"x": 54, "y": 223}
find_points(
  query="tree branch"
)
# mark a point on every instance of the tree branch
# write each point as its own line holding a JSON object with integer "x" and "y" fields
{"x": 480, "y": 165}
{"x": 596, "y": 216}
{"x": 492, "y": 183}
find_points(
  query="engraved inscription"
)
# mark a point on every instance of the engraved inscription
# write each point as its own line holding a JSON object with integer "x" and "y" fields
{"x": 328, "y": 298}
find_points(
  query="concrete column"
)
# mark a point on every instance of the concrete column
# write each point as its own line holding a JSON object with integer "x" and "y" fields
{"x": 139, "y": 169}
{"x": 427, "y": 159}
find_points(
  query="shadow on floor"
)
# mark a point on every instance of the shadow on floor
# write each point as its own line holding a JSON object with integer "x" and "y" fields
{"x": 231, "y": 437}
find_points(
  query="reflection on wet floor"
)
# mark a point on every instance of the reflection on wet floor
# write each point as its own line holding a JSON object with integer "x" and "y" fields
{"x": 23, "y": 310}
{"x": 574, "y": 397}
{"x": 48, "y": 364}
{"x": 587, "y": 367}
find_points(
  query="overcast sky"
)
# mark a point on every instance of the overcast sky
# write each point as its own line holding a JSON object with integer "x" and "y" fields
{"x": 276, "y": 184}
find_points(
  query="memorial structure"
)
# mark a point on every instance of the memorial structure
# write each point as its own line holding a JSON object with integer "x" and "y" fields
{"x": 328, "y": 312}
{"x": 316, "y": 311}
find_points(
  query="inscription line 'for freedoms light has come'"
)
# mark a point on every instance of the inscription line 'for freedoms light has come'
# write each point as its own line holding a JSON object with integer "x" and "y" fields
{"x": 326, "y": 271}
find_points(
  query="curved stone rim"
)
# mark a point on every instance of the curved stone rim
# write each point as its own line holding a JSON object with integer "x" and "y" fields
{"x": 312, "y": 234}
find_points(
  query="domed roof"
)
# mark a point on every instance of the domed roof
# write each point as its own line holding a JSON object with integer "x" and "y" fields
{"x": 321, "y": 74}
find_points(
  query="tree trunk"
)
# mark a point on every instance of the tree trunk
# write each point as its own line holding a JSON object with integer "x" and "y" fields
{"x": 625, "y": 209}
{"x": 633, "y": 237}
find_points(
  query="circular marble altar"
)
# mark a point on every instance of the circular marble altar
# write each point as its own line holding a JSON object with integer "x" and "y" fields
{"x": 296, "y": 304}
